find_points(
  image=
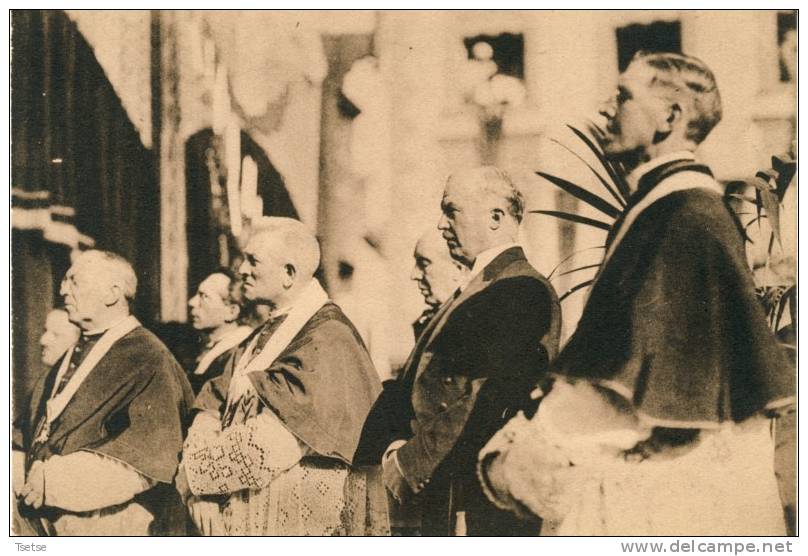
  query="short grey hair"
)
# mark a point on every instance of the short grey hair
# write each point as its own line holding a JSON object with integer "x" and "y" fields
{"x": 492, "y": 180}
{"x": 678, "y": 74}
{"x": 120, "y": 270}
{"x": 300, "y": 245}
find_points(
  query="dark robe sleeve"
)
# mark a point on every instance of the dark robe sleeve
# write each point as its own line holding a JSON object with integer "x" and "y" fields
{"x": 322, "y": 386}
{"x": 213, "y": 394}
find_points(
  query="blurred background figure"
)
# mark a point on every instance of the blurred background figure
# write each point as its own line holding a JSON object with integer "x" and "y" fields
{"x": 215, "y": 312}
{"x": 59, "y": 335}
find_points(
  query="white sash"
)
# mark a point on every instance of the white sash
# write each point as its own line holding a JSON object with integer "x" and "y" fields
{"x": 57, "y": 403}
{"x": 227, "y": 342}
{"x": 680, "y": 181}
{"x": 310, "y": 301}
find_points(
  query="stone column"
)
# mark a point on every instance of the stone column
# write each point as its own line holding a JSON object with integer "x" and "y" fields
{"x": 340, "y": 215}
{"x": 169, "y": 150}
{"x": 411, "y": 48}
{"x": 570, "y": 67}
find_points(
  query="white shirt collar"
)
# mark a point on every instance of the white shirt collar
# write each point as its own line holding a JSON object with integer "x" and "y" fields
{"x": 484, "y": 259}
{"x": 237, "y": 332}
{"x": 635, "y": 176}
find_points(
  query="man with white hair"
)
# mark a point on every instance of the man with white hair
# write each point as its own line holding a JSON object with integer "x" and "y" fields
{"x": 277, "y": 431}
{"x": 104, "y": 434}
{"x": 476, "y": 362}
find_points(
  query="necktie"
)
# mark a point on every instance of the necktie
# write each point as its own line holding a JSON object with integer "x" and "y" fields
{"x": 83, "y": 347}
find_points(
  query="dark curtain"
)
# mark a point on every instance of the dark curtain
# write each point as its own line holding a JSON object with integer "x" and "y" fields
{"x": 207, "y": 212}
{"x": 75, "y": 151}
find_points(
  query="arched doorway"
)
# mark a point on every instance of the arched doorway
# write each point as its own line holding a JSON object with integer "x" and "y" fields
{"x": 210, "y": 245}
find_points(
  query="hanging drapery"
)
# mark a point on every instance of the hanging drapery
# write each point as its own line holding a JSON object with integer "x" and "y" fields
{"x": 80, "y": 175}
{"x": 209, "y": 225}
{"x": 76, "y": 153}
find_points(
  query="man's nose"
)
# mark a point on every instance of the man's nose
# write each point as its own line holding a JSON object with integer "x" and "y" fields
{"x": 443, "y": 223}
{"x": 608, "y": 108}
{"x": 192, "y": 302}
{"x": 415, "y": 273}
{"x": 63, "y": 288}
{"x": 243, "y": 268}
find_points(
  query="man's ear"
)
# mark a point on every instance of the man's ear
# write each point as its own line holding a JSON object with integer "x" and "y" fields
{"x": 113, "y": 294}
{"x": 495, "y": 220}
{"x": 289, "y": 275}
{"x": 669, "y": 118}
{"x": 233, "y": 312}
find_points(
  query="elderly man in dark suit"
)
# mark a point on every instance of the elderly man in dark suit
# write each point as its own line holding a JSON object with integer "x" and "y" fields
{"x": 475, "y": 364}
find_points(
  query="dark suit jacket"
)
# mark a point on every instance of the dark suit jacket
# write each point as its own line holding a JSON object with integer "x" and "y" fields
{"x": 470, "y": 371}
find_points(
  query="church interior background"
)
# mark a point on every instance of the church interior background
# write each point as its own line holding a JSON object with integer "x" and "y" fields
{"x": 160, "y": 134}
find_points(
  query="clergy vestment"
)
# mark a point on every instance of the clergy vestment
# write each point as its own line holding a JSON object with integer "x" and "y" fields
{"x": 473, "y": 367}
{"x": 290, "y": 407}
{"x": 667, "y": 378}
{"x": 107, "y": 424}
{"x": 211, "y": 362}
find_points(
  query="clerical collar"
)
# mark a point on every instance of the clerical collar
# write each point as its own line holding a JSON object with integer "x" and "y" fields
{"x": 238, "y": 331}
{"x": 99, "y": 331}
{"x": 649, "y": 175}
{"x": 643, "y": 169}
{"x": 484, "y": 259}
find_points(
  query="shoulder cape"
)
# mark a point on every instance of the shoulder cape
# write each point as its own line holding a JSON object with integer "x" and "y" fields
{"x": 131, "y": 407}
{"x": 321, "y": 386}
{"x": 673, "y": 325}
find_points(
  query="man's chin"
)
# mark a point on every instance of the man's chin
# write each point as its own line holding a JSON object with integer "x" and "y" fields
{"x": 247, "y": 292}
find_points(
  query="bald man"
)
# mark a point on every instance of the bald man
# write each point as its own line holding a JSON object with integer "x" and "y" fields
{"x": 437, "y": 275}
{"x": 104, "y": 434}
{"x": 277, "y": 432}
{"x": 475, "y": 364}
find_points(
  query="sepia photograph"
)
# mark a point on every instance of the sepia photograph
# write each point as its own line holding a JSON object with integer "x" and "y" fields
{"x": 410, "y": 273}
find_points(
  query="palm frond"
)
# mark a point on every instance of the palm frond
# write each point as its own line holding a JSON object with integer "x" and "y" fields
{"x": 580, "y": 268}
{"x": 575, "y": 288}
{"x": 756, "y": 219}
{"x": 582, "y": 194}
{"x": 571, "y": 255}
{"x": 788, "y": 296}
{"x": 577, "y": 218}
{"x": 771, "y": 204}
{"x": 619, "y": 181}
{"x": 601, "y": 179}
